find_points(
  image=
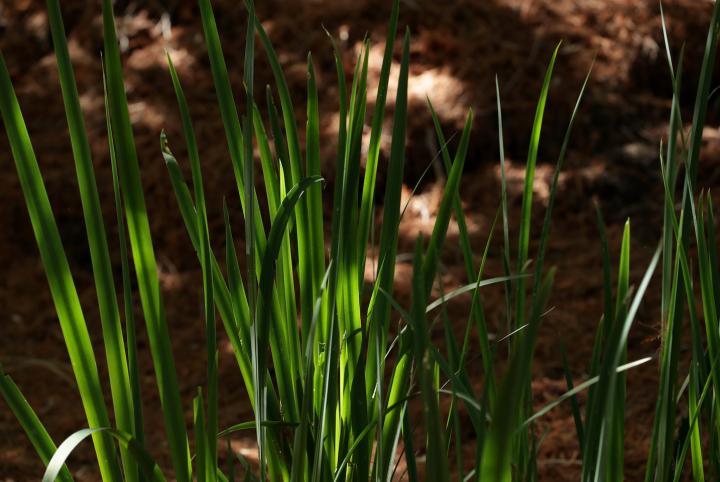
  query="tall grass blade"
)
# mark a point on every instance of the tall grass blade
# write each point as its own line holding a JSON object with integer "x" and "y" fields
{"x": 143, "y": 253}
{"x": 369, "y": 181}
{"x": 97, "y": 240}
{"x": 57, "y": 270}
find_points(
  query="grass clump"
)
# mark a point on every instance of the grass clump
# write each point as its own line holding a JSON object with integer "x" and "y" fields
{"x": 330, "y": 383}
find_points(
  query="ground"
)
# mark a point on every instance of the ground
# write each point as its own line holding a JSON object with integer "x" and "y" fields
{"x": 458, "y": 48}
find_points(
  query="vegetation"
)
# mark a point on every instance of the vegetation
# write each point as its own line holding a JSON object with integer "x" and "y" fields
{"x": 330, "y": 376}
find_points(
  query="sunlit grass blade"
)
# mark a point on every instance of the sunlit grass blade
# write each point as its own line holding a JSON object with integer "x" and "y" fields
{"x": 309, "y": 280}
{"x": 526, "y": 210}
{"x": 97, "y": 240}
{"x": 130, "y": 326}
{"x": 379, "y": 309}
{"x": 312, "y": 168}
{"x": 370, "y": 179}
{"x": 143, "y": 252}
{"x": 262, "y": 319}
{"x": 57, "y": 270}
{"x": 229, "y": 300}
{"x": 574, "y": 391}
{"x": 344, "y": 302}
{"x": 229, "y": 114}
{"x": 300, "y": 469}
{"x": 701, "y": 96}
{"x": 31, "y": 424}
{"x": 205, "y": 256}
{"x": 476, "y": 309}
{"x": 504, "y": 209}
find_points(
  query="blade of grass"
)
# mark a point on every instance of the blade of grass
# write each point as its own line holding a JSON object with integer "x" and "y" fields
{"x": 436, "y": 465}
{"x": 97, "y": 240}
{"x": 379, "y": 309}
{"x": 130, "y": 327}
{"x": 205, "y": 256}
{"x": 143, "y": 253}
{"x": 526, "y": 210}
{"x": 57, "y": 270}
{"x": 370, "y": 178}
{"x": 144, "y": 460}
{"x": 31, "y": 424}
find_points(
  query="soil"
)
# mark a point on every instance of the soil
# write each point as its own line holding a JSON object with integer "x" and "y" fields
{"x": 458, "y": 47}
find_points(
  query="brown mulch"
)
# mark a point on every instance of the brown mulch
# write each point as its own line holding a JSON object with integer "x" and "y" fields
{"x": 458, "y": 47}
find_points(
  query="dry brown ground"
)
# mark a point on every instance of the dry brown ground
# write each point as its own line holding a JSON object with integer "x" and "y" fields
{"x": 458, "y": 47}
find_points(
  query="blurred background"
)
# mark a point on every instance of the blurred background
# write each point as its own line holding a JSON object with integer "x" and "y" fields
{"x": 458, "y": 47}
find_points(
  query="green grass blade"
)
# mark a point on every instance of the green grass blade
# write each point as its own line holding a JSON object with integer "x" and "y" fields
{"x": 577, "y": 418}
{"x": 201, "y": 449}
{"x": 545, "y": 232}
{"x": 31, "y": 424}
{"x": 507, "y": 417}
{"x": 378, "y": 318}
{"x": 436, "y": 466}
{"x": 504, "y": 208}
{"x": 442, "y": 220}
{"x": 97, "y": 240}
{"x": 229, "y": 300}
{"x": 573, "y": 392}
{"x": 526, "y": 209}
{"x": 312, "y": 168}
{"x": 144, "y": 460}
{"x": 601, "y": 418}
{"x": 261, "y": 324}
{"x": 299, "y": 470}
{"x": 369, "y": 181}
{"x": 477, "y": 310}
{"x": 205, "y": 256}
{"x": 62, "y": 286}
{"x": 702, "y": 93}
{"x": 130, "y": 326}
{"x": 309, "y": 279}
{"x": 143, "y": 253}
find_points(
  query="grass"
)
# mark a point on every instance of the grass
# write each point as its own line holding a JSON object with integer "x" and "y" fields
{"x": 331, "y": 383}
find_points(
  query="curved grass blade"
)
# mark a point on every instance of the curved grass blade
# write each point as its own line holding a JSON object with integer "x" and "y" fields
{"x": 261, "y": 324}
{"x": 470, "y": 288}
{"x": 309, "y": 280}
{"x": 144, "y": 460}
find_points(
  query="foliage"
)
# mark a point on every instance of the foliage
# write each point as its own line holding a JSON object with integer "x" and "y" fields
{"x": 330, "y": 380}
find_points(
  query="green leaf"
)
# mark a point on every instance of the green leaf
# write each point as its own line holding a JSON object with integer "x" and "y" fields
{"x": 144, "y": 460}
{"x": 34, "y": 429}
{"x": 143, "y": 252}
{"x": 57, "y": 270}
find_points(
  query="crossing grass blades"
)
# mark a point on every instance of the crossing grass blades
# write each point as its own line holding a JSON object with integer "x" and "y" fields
{"x": 330, "y": 376}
